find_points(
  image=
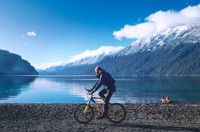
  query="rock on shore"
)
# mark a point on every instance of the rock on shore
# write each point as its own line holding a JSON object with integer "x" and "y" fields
{"x": 59, "y": 117}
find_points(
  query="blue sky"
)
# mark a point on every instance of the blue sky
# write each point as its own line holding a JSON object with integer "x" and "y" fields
{"x": 43, "y": 31}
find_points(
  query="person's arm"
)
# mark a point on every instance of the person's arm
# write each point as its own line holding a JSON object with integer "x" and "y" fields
{"x": 94, "y": 86}
{"x": 99, "y": 83}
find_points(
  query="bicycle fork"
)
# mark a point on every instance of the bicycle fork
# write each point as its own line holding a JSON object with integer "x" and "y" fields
{"x": 86, "y": 107}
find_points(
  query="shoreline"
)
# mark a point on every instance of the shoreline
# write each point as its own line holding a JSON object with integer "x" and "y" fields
{"x": 59, "y": 117}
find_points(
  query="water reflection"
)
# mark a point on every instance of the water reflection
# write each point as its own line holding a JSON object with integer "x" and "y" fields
{"x": 151, "y": 89}
{"x": 11, "y": 86}
{"x": 63, "y": 89}
{"x": 70, "y": 89}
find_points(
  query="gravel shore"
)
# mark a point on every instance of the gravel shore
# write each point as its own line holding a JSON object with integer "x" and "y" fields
{"x": 140, "y": 117}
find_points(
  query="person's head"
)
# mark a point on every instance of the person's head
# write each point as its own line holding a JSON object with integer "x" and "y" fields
{"x": 97, "y": 70}
{"x": 167, "y": 98}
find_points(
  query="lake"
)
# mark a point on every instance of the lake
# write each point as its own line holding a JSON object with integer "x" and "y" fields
{"x": 70, "y": 89}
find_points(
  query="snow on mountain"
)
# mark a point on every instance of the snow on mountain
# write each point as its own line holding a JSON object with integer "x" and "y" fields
{"x": 93, "y": 56}
{"x": 169, "y": 36}
{"x": 48, "y": 65}
{"x": 87, "y": 57}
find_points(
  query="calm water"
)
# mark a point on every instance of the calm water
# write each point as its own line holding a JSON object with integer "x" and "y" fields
{"x": 70, "y": 89}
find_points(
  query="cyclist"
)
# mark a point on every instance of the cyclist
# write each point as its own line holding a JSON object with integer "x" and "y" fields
{"x": 106, "y": 79}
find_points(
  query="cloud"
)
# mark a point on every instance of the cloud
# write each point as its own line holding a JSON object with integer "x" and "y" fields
{"x": 159, "y": 21}
{"x": 103, "y": 50}
{"x": 137, "y": 31}
{"x": 31, "y": 34}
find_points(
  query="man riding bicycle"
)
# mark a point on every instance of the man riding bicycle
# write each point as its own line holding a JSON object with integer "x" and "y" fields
{"x": 106, "y": 79}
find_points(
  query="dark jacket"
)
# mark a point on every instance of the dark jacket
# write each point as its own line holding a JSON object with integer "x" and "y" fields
{"x": 106, "y": 79}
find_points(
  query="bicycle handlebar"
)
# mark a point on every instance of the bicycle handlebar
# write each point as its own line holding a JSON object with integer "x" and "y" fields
{"x": 88, "y": 90}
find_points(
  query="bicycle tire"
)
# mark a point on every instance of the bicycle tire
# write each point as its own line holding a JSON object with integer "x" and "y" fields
{"x": 116, "y": 113}
{"x": 82, "y": 117}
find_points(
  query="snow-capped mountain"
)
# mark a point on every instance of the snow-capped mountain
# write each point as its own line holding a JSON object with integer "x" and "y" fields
{"x": 172, "y": 51}
{"x": 88, "y": 57}
{"x": 169, "y": 37}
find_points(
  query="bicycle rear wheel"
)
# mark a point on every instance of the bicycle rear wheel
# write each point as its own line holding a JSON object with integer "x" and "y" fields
{"x": 83, "y": 114}
{"x": 116, "y": 113}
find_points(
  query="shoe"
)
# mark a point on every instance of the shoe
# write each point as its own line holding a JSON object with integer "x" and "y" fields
{"x": 101, "y": 116}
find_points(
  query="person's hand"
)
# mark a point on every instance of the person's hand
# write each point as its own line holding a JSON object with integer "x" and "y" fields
{"x": 90, "y": 92}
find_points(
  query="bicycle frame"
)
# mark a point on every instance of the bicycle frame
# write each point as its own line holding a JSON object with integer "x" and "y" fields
{"x": 95, "y": 104}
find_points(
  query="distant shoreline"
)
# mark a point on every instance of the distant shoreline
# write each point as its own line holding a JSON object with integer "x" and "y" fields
{"x": 140, "y": 117}
{"x": 113, "y": 75}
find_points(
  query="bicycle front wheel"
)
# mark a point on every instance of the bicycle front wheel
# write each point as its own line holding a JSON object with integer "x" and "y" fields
{"x": 83, "y": 113}
{"x": 116, "y": 113}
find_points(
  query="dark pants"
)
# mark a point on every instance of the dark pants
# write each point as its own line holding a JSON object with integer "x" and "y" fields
{"x": 107, "y": 98}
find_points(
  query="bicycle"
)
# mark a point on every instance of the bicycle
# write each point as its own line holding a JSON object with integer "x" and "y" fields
{"x": 84, "y": 113}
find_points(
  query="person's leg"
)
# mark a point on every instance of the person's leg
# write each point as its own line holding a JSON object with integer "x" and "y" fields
{"x": 107, "y": 99}
{"x": 102, "y": 92}
{"x": 108, "y": 96}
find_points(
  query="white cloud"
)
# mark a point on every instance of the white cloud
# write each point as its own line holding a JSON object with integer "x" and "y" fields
{"x": 137, "y": 31}
{"x": 31, "y": 34}
{"x": 103, "y": 50}
{"x": 48, "y": 65}
{"x": 159, "y": 21}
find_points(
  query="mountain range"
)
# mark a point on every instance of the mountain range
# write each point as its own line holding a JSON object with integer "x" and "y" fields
{"x": 172, "y": 51}
{"x": 13, "y": 64}
{"x": 86, "y": 58}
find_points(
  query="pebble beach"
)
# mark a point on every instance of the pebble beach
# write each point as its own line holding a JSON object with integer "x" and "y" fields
{"x": 140, "y": 117}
